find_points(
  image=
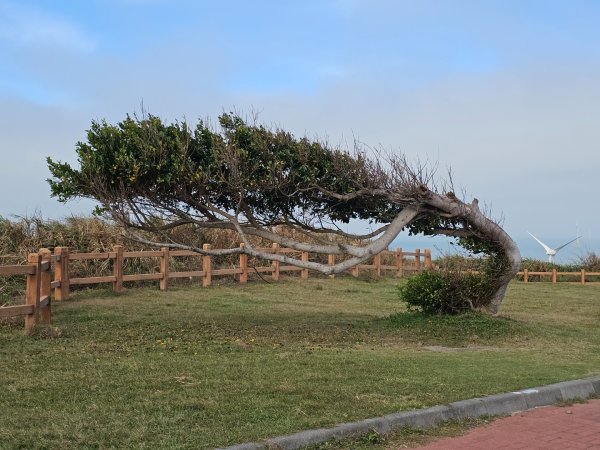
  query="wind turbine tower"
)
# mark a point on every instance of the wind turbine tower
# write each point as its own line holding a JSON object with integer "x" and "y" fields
{"x": 552, "y": 251}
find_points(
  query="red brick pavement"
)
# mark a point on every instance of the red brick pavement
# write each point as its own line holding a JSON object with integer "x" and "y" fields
{"x": 549, "y": 428}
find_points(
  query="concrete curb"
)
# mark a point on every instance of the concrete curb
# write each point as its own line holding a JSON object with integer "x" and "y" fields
{"x": 510, "y": 402}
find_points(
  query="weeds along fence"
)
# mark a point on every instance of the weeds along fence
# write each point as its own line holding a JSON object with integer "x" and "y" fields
{"x": 554, "y": 276}
{"x": 47, "y": 271}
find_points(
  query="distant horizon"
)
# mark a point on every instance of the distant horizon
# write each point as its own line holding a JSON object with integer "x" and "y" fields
{"x": 527, "y": 246}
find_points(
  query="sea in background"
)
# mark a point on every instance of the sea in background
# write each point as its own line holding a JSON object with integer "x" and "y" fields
{"x": 440, "y": 246}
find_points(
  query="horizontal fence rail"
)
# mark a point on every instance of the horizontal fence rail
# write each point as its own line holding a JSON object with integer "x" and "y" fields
{"x": 581, "y": 277}
{"x": 205, "y": 269}
{"x": 46, "y": 272}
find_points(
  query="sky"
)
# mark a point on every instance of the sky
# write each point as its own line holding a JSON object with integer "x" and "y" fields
{"x": 506, "y": 93}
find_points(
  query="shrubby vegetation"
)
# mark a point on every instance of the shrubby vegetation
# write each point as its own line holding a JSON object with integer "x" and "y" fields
{"x": 20, "y": 236}
{"x": 458, "y": 285}
{"x": 152, "y": 176}
{"x": 444, "y": 292}
{"x": 461, "y": 284}
{"x": 589, "y": 262}
{"x": 23, "y": 235}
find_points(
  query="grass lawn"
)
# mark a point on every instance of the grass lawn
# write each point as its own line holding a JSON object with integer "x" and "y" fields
{"x": 201, "y": 368}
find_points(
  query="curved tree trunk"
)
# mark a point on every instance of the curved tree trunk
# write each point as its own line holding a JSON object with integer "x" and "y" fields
{"x": 487, "y": 229}
{"x": 509, "y": 269}
{"x": 513, "y": 256}
{"x": 429, "y": 202}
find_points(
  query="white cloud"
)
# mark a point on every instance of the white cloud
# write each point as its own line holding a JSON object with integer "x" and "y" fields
{"x": 25, "y": 26}
{"x": 522, "y": 136}
{"x": 524, "y": 140}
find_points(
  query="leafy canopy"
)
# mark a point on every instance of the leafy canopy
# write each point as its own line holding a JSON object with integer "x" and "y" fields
{"x": 271, "y": 173}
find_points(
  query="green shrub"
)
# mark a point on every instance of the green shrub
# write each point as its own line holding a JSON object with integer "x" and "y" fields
{"x": 447, "y": 292}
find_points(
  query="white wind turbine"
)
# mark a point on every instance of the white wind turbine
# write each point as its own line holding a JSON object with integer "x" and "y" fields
{"x": 552, "y": 251}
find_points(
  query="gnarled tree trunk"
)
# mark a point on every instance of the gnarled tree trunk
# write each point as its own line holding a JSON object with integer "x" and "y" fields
{"x": 478, "y": 224}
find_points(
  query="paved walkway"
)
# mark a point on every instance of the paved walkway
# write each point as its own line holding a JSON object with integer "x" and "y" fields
{"x": 551, "y": 427}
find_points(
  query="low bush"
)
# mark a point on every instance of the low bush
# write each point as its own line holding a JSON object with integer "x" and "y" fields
{"x": 459, "y": 262}
{"x": 590, "y": 261}
{"x": 447, "y": 292}
{"x": 536, "y": 265}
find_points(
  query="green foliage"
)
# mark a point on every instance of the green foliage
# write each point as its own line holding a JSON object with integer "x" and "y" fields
{"x": 152, "y": 176}
{"x": 447, "y": 292}
{"x": 179, "y": 166}
{"x": 372, "y": 438}
{"x": 429, "y": 225}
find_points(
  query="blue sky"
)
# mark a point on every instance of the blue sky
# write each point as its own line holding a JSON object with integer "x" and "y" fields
{"x": 505, "y": 92}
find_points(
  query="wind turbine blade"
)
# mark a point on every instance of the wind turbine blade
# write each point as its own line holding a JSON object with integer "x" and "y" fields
{"x": 548, "y": 249}
{"x": 564, "y": 245}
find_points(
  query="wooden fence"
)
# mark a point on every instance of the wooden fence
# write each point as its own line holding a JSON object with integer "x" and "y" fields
{"x": 46, "y": 271}
{"x": 577, "y": 277}
{"x": 205, "y": 271}
{"x": 40, "y": 283}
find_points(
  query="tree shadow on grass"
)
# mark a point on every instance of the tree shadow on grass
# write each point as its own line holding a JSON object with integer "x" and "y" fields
{"x": 456, "y": 330}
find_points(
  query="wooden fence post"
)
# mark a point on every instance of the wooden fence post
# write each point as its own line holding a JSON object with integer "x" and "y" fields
{"x": 399, "y": 262}
{"x": 417, "y": 259}
{"x": 45, "y": 288}
{"x": 275, "y": 264}
{"x": 331, "y": 262}
{"x": 553, "y": 276}
{"x": 428, "y": 263}
{"x": 32, "y": 292}
{"x": 206, "y": 267}
{"x": 164, "y": 268}
{"x": 525, "y": 276}
{"x": 304, "y": 272}
{"x": 118, "y": 268}
{"x": 61, "y": 273}
{"x": 377, "y": 264}
{"x": 243, "y": 266}
{"x": 582, "y": 276}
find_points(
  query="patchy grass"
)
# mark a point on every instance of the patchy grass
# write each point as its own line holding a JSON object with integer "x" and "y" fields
{"x": 200, "y": 368}
{"x": 404, "y": 437}
{"x": 458, "y": 330}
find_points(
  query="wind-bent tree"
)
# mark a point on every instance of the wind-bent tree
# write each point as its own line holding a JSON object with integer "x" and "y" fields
{"x": 152, "y": 176}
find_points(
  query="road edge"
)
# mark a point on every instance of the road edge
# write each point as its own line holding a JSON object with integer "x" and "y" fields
{"x": 507, "y": 403}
